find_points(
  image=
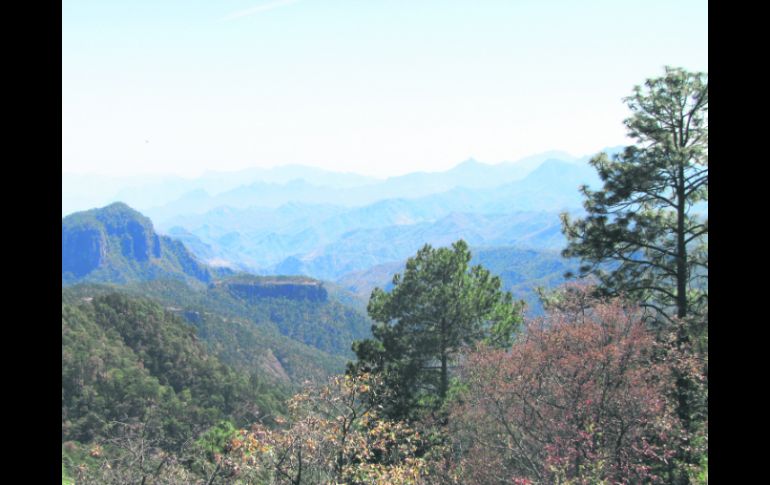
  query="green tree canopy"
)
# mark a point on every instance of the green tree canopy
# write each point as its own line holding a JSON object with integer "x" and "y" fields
{"x": 650, "y": 218}
{"x": 436, "y": 308}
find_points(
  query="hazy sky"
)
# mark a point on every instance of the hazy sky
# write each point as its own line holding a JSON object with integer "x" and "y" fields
{"x": 371, "y": 86}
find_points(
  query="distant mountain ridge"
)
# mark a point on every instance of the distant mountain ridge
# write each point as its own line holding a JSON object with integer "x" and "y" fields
{"x": 159, "y": 196}
{"x": 363, "y": 248}
{"x": 326, "y": 241}
{"x": 469, "y": 174}
{"x": 85, "y": 191}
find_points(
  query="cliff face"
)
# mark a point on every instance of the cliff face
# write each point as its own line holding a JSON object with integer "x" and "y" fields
{"x": 301, "y": 308}
{"x": 82, "y": 250}
{"x": 137, "y": 241}
{"x": 118, "y": 244}
{"x": 293, "y": 290}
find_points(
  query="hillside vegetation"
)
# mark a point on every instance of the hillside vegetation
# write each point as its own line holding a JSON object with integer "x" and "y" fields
{"x": 128, "y": 361}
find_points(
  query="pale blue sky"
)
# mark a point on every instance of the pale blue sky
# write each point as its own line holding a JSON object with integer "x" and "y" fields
{"x": 376, "y": 87}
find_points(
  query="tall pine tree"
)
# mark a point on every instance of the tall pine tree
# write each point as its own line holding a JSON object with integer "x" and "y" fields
{"x": 650, "y": 218}
{"x": 650, "y": 222}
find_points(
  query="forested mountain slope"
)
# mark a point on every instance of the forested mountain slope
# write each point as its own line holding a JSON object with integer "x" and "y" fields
{"x": 290, "y": 328}
{"x": 127, "y": 359}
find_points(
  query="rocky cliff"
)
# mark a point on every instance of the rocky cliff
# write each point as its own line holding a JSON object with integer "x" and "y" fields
{"x": 117, "y": 244}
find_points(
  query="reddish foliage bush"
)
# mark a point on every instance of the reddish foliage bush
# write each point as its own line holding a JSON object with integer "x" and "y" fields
{"x": 581, "y": 397}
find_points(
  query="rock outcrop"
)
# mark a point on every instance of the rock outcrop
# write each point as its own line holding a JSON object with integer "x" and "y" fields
{"x": 117, "y": 244}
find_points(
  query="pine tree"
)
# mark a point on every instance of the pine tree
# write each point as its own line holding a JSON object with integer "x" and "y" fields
{"x": 436, "y": 308}
{"x": 648, "y": 218}
{"x": 649, "y": 227}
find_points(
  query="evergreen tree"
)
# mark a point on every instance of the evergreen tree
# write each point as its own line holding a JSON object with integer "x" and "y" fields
{"x": 645, "y": 222}
{"x": 436, "y": 308}
{"x": 645, "y": 218}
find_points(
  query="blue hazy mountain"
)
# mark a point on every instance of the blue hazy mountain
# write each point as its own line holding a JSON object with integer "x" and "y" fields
{"x": 86, "y": 191}
{"x": 324, "y": 240}
{"x": 297, "y": 220}
{"x": 118, "y": 244}
{"x": 319, "y": 187}
{"x": 162, "y": 196}
{"x": 363, "y": 248}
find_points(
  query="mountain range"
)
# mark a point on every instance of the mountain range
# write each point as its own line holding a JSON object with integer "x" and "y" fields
{"x": 472, "y": 175}
{"x": 326, "y": 240}
{"x": 212, "y": 248}
{"x": 162, "y": 196}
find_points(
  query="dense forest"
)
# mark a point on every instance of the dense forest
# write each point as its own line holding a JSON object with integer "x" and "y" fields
{"x": 174, "y": 372}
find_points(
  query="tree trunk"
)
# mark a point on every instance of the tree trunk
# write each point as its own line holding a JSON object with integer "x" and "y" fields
{"x": 683, "y": 384}
{"x": 681, "y": 250}
{"x": 444, "y": 384}
{"x": 444, "y": 377}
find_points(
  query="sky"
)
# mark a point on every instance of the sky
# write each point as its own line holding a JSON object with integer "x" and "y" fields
{"x": 374, "y": 87}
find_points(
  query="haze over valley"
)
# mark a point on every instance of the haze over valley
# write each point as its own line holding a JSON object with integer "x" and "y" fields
{"x": 342, "y": 228}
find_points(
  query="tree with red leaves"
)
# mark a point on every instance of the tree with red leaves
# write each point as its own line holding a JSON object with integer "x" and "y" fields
{"x": 584, "y": 396}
